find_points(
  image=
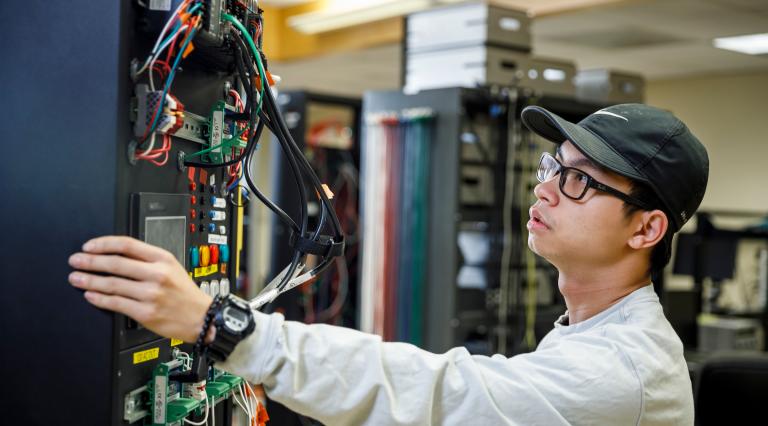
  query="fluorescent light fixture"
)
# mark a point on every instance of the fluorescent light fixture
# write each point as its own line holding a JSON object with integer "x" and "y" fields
{"x": 342, "y": 17}
{"x": 753, "y": 44}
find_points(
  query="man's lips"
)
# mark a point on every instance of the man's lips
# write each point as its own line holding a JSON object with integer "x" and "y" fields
{"x": 537, "y": 219}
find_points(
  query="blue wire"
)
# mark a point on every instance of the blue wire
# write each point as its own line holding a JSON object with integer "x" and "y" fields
{"x": 194, "y": 8}
{"x": 170, "y": 77}
{"x": 172, "y": 34}
{"x": 237, "y": 182}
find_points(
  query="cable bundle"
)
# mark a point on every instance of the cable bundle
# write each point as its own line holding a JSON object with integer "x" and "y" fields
{"x": 255, "y": 108}
{"x": 179, "y": 30}
{"x": 395, "y": 191}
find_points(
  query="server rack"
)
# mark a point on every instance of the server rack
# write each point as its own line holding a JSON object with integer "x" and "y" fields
{"x": 467, "y": 190}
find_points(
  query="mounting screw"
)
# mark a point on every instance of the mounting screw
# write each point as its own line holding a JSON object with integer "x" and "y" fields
{"x": 180, "y": 161}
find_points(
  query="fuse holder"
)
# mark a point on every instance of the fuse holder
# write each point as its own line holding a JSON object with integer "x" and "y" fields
{"x": 214, "y": 249}
{"x": 205, "y": 256}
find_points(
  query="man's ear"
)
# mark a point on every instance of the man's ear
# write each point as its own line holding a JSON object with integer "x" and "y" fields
{"x": 650, "y": 227}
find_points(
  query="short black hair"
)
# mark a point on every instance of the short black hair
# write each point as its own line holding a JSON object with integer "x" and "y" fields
{"x": 662, "y": 252}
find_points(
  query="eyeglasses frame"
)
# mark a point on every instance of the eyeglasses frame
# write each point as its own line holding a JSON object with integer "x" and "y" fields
{"x": 591, "y": 183}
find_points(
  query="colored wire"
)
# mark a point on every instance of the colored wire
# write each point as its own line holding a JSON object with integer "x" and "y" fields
{"x": 171, "y": 39}
{"x": 170, "y": 22}
{"x": 171, "y": 75}
{"x": 266, "y": 119}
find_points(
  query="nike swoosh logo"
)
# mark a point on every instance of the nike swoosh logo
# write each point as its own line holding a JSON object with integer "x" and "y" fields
{"x": 601, "y": 112}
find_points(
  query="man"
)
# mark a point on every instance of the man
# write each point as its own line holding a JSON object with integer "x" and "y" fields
{"x": 623, "y": 181}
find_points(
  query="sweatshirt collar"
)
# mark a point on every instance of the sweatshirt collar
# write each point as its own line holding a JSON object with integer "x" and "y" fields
{"x": 563, "y": 326}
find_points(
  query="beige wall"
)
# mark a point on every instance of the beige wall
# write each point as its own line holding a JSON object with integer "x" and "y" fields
{"x": 729, "y": 114}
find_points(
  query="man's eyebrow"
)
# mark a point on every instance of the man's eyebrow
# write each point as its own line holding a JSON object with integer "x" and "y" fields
{"x": 579, "y": 162}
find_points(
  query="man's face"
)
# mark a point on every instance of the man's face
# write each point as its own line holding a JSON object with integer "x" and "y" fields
{"x": 592, "y": 231}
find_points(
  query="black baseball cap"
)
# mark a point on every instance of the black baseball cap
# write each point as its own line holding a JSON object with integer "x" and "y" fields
{"x": 640, "y": 142}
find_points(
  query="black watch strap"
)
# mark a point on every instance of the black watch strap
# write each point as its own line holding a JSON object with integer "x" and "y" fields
{"x": 225, "y": 341}
{"x": 222, "y": 345}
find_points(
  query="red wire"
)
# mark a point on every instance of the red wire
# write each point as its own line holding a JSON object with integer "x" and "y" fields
{"x": 152, "y": 156}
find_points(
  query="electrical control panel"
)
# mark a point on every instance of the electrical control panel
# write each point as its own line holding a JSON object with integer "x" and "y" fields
{"x": 147, "y": 118}
{"x": 181, "y": 184}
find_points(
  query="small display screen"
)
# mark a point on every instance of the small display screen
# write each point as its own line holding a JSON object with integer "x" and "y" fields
{"x": 167, "y": 232}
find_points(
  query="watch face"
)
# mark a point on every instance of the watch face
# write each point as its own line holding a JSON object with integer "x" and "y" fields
{"x": 235, "y": 319}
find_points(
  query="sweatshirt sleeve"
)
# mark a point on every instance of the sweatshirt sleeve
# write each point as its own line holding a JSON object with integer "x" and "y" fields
{"x": 341, "y": 376}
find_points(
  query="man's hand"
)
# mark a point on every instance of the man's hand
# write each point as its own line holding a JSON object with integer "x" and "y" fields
{"x": 143, "y": 282}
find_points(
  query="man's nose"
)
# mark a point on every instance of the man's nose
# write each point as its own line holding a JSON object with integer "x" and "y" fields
{"x": 547, "y": 191}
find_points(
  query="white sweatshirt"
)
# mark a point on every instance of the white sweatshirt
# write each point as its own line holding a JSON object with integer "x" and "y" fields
{"x": 623, "y": 366}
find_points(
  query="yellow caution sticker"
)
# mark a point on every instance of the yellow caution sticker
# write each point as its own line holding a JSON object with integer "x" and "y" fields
{"x": 176, "y": 342}
{"x": 147, "y": 355}
{"x": 204, "y": 271}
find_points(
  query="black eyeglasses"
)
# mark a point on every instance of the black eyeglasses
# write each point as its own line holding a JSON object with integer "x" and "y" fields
{"x": 574, "y": 183}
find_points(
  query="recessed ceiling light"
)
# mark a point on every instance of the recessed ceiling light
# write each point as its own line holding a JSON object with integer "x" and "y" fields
{"x": 753, "y": 44}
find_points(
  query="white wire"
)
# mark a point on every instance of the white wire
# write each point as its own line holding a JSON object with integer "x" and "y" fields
{"x": 151, "y": 145}
{"x": 251, "y": 398}
{"x": 245, "y": 410}
{"x": 160, "y": 38}
{"x": 247, "y": 406}
{"x": 185, "y": 356}
{"x": 237, "y": 400}
{"x": 205, "y": 419}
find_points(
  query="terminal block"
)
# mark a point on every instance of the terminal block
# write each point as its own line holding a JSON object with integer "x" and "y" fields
{"x": 173, "y": 120}
{"x": 164, "y": 401}
{"x": 224, "y": 133}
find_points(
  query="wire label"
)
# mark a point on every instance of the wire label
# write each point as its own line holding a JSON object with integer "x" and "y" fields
{"x": 147, "y": 355}
{"x": 217, "y": 123}
{"x": 217, "y": 239}
{"x": 161, "y": 391}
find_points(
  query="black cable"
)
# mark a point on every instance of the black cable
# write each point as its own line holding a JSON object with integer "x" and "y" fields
{"x": 282, "y": 130}
{"x": 273, "y": 120}
{"x": 246, "y": 81}
{"x": 265, "y": 119}
{"x": 277, "y": 210}
{"x": 292, "y": 162}
{"x": 271, "y": 104}
{"x": 297, "y": 255}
